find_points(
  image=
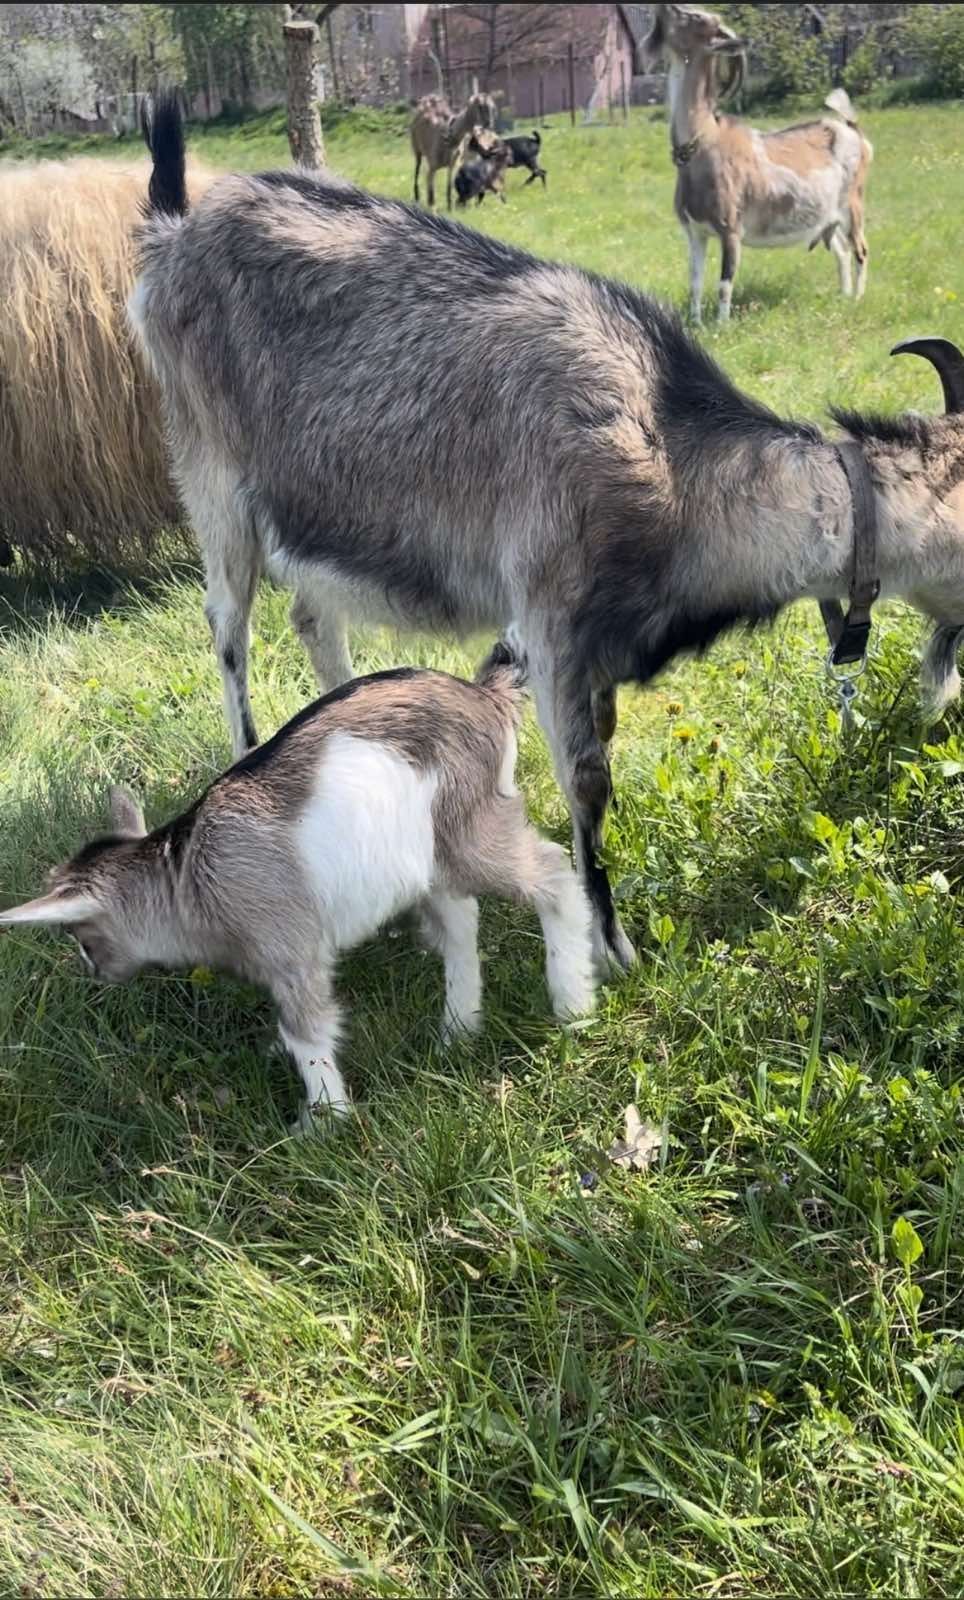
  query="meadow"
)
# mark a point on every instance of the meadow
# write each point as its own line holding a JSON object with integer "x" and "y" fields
{"x": 451, "y": 1349}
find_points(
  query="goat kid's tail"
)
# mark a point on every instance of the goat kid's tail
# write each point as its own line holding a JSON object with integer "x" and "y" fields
{"x": 838, "y": 100}
{"x": 163, "y": 128}
{"x": 505, "y": 673}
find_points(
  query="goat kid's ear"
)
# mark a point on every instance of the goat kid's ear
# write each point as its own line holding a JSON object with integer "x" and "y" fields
{"x": 125, "y": 813}
{"x": 55, "y": 907}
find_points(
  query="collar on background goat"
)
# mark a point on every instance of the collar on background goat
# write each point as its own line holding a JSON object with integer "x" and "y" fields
{"x": 849, "y": 634}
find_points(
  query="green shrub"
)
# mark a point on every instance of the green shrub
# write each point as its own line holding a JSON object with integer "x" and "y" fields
{"x": 790, "y": 62}
{"x": 865, "y": 67}
{"x": 936, "y": 36}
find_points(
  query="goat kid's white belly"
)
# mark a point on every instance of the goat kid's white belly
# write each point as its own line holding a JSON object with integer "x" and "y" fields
{"x": 366, "y": 837}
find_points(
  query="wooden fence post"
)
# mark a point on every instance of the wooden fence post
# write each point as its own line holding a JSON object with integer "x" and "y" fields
{"x": 572, "y": 86}
{"x": 622, "y": 87}
{"x": 542, "y": 101}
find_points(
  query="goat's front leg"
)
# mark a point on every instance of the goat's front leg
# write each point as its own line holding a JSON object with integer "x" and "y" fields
{"x": 697, "y": 246}
{"x": 569, "y": 719}
{"x": 232, "y": 579}
{"x": 940, "y": 678}
{"x": 418, "y": 168}
{"x": 448, "y": 186}
{"x": 308, "y": 1026}
{"x": 731, "y": 248}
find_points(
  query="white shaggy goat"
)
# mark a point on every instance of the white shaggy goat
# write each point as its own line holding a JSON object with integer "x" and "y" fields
{"x": 395, "y": 791}
{"x": 799, "y": 185}
{"x": 343, "y": 420}
{"x": 82, "y": 459}
{"x": 438, "y": 134}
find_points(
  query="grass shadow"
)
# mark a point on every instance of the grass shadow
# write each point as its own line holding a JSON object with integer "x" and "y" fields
{"x": 27, "y": 599}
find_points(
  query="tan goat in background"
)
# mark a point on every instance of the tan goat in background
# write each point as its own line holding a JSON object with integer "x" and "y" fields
{"x": 798, "y": 185}
{"x": 438, "y": 134}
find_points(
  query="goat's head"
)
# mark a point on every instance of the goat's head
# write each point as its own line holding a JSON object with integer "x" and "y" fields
{"x": 483, "y": 141}
{"x": 918, "y": 464}
{"x": 685, "y": 34}
{"x": 91, "y": 896}
{"x": 481, "y": 109}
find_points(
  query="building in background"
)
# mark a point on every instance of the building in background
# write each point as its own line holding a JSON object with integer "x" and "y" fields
{"x": 523, "y": 51}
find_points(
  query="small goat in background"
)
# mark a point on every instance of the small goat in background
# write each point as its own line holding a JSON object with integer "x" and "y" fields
{"x": 482, "y": 170}
{"x": 395, "y": 791}
{"x": 524, "y": 151}
{"x": 799, "y": 185}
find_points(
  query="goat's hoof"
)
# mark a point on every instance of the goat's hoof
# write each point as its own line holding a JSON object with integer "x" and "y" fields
{"x": 320, "y": 1119}
{"x": 456, "y": 1030}
{"x": 611, "y": 958}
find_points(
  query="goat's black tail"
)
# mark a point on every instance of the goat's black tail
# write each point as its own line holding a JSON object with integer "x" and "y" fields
{"x": 163, "y": 127}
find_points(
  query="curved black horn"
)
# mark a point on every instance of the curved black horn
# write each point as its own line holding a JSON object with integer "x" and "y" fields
{"x": 734, "y": 79}
{"x": 949, "y": 363}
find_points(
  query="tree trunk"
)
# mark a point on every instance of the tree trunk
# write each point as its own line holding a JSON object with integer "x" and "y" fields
{"x": 336, "y": 88}
{"x": 304, "y": 123}
{"x": 493, "y": 49}
{"x": 446, "y": 59}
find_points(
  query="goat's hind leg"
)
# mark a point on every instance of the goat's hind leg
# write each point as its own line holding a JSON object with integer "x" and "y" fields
{"x": 841, "y": 249}
{"x": 320, "y": 626}
{"x": 450, "y": 926}
{"x": 730, "y": 248}
{"x": 233, "y": 566}
{"x": 858, "y": 245}
{"x": 509, "y": 858}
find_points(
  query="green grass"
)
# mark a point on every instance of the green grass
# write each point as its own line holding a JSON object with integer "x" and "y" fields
{"x": 429, "y": 1356}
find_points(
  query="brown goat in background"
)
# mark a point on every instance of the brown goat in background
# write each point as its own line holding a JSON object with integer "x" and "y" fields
{"x": 438, "y": 132}
{"x": 82, "y": 461}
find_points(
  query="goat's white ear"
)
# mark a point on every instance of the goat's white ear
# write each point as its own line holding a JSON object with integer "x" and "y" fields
{"x": 125, "y": 813}
{"x": 56, "y": 907}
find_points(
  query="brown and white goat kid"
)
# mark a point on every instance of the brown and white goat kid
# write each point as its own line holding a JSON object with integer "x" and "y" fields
{"x": 338, "y": 420}
{"x": 799, "y": 185}
{"x": 438, "y": 134}
{"x": 395, "y": 791}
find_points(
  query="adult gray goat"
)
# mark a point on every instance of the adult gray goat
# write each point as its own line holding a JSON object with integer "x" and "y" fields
{"x": 404, "y": 419}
